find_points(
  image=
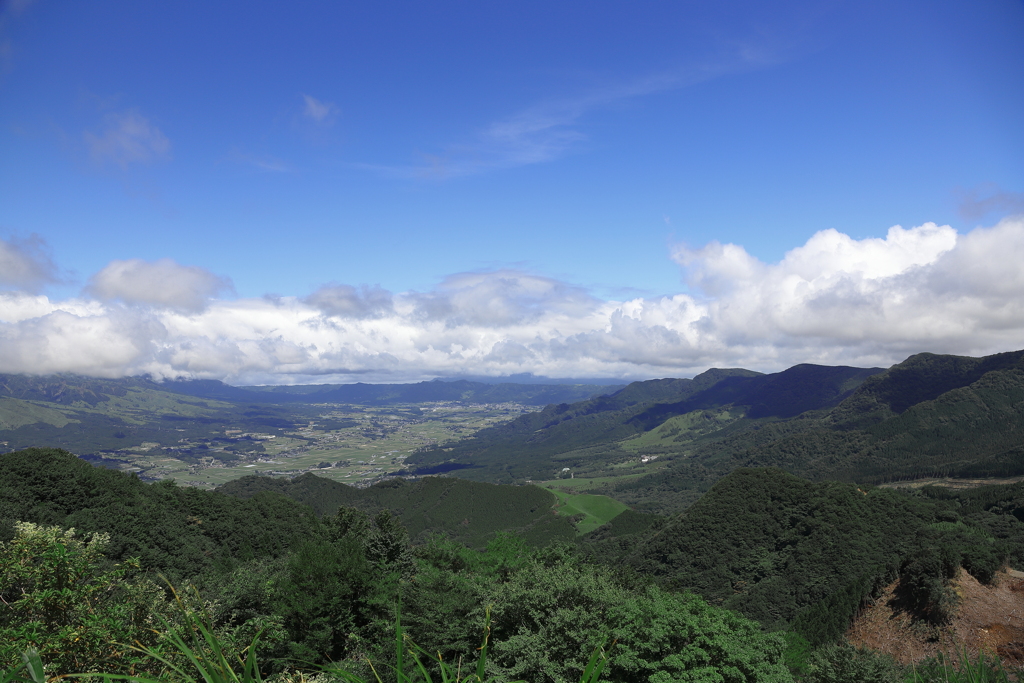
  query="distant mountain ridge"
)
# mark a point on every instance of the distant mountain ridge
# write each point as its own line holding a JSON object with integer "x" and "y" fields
{"x": 388, "y": 394}
{"x": 656, "y": 445}
{"x": 931, "y": 415}
{"x": 517, "y": 448}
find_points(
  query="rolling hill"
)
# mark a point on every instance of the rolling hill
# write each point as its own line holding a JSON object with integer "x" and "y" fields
{"x": 465, "y": 511}
{"x": 658, "y": 445}
{"x": 596, "y": 433}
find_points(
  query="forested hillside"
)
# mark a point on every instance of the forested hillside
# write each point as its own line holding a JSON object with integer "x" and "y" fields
{"x": 324, "y": 590}
{"x": 789, "y": 555}
{"x": 595, "y": 430}
{"x": 465, "y": 511}
{"x": 930, "y": 415}
{"x": 180, "y": 530}
{"x": 793, "y": 553}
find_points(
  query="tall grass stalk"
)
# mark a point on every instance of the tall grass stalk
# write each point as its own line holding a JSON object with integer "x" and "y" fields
{"x": 420, "y": 672}
{"x": 30, "y": 671}
{"x": 201, "y": 656}
{"x": 984, "y": 669}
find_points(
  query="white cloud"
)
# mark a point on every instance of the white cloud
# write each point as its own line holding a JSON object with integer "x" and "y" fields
{"x": 500, "y": 299}
{"x": 157, "y": 283}
{"x": 127, "y": 138}
{"x": 832, "y": 300}
{"x": 321, "y": 112}
{"x": 925, "y": 288}
{"x": 26, "y": 263}
{"x": 346, "y": 301}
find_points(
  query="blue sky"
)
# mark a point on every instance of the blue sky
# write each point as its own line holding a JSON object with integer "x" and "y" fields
{"x": 481, "y": 188}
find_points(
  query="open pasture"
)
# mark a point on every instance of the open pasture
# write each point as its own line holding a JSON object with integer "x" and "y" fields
{"x": 596, "y": 509}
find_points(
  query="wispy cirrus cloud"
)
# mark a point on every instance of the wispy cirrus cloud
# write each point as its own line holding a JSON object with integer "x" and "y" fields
{"x": 261, "y": 162}
{"x": 987, "y": 199}
{"x": 26, "y": 263}
{"x": 548, "y": 130}
{"x": 127, "y": 138}
{"x": 323, "y": 113}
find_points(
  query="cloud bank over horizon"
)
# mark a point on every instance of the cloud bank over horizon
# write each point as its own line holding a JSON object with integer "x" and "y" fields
{"x": 833, "y": 300}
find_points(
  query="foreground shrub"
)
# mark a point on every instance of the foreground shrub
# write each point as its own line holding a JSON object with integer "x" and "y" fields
{"x": 59, "y": 602}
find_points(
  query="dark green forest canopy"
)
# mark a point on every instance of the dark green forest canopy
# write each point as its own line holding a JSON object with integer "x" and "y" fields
{"x": 330, "y": 588}
{"x": 466, "y": 511}
{"x": 181, "y": 531}
{"x": 769, "y": 543}
{"x": 784, "y": 550}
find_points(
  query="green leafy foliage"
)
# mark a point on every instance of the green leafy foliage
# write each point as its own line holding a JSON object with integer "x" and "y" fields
{"x": 65, "y": 605}
{"x": 843, "y": 663}
{"x": 58, "y": 601}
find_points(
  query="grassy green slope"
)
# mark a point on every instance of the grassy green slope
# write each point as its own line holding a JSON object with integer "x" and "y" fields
{"x": 524, "y": 448}
{"x": 16, "y": 413}
{"x": 594, "y": 509}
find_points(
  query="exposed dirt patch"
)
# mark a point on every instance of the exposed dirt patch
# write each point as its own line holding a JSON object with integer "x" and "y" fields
{"x": 990, "y": 619}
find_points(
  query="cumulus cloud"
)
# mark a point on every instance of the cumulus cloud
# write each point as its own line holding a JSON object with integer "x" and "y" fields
{"x": 832, "y": 300}
{"x": 26, "y": 263}
{"x": 127, "y": 138}
{"x": 924, "y": 288}
{"x": 500, "y": 298}
{"x": 346, "y": 301}
{"x": 159, "y": 283}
